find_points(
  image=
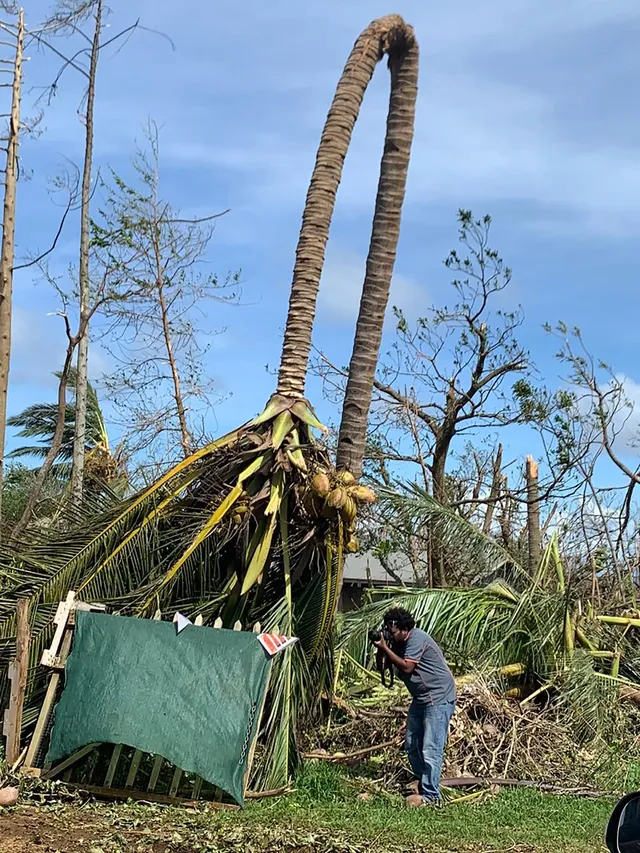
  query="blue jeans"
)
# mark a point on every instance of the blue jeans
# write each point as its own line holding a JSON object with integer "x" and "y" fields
{"x": 426, "y": 738}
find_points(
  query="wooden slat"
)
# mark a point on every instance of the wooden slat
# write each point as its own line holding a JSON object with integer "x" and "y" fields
{"x": 237, "y": 626}
{"x": 126, "y": 794}
{"x": 257, "y": 629}
{"x": 68, "y": 762}
{"x": 218, "y": 623}
{"x": 155, "y": 773}
{"x": 47, "y": 705}
{"x": 197, "y": 788}
{"x": 18, "y": 671}
{"x": 175, "y": 782}
{"x": 133, "y": 768}
{"x": 199, "y": 621}
{"x": 113, "y": 765}
{"x": 50, "y": 655}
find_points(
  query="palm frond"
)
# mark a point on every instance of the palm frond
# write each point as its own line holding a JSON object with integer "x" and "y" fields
{"x": 414, "y": 510}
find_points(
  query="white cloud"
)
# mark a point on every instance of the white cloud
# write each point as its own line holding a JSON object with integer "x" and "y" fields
{"x": 627, "y": 421}
{"x": 341, "y": 288}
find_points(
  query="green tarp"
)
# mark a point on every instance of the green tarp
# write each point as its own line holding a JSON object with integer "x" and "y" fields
{"x": 192, "y": 697}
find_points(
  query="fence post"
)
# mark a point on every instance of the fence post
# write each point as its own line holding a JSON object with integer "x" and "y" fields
{"x": 18, "y": 671}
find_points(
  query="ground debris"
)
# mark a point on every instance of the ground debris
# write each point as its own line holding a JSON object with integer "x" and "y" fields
{"x": 491, "y": 736}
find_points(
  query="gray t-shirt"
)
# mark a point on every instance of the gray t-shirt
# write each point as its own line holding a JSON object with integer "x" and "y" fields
{"x": 431, "y": 682}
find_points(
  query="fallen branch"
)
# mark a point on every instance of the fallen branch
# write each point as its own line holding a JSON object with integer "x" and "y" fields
{"x": 274, "y": 792}
{"x": 322, "y": 756}
{"x": 547, "y": 787}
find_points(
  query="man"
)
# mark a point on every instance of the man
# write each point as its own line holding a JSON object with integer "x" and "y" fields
{"x": 421, "y": 665}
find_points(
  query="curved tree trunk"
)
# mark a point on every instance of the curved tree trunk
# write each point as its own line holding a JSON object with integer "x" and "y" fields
{"x": 383, "y": 35}
{"x": 403, "y": 64}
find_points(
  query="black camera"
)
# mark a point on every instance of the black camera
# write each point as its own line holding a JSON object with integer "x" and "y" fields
{"x": 383, "y": 664}
{"x": 376, "y": 636}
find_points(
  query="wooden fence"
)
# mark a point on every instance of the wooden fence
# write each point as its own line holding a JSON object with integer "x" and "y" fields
{"x": 116, "y": 772}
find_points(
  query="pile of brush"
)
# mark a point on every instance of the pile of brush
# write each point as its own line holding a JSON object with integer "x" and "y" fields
{"x": 494, "y": 740}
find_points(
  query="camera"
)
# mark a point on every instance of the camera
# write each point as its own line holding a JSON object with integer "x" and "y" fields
{"x": 376, "y": 636}
{"x": 382, "y": 662}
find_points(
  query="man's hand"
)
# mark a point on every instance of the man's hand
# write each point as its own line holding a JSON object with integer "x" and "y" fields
{"x": 382, "y": 644}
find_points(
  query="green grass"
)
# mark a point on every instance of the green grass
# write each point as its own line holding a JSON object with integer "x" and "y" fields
{"x": 325, "y": 815}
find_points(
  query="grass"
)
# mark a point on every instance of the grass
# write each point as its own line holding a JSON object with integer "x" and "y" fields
{"x": 522, "y": 817}
{"x": 324, "y": 815}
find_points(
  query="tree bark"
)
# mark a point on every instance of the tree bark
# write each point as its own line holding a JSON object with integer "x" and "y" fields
{"x": 494, "y": 492}
{"x": 533, "y": 514}
{"x": 82, "y": 375}
{"x": 185, "y": 434}
{"x": 8, "y": 238}
{"x": 18, "y": 672}
{"x": 325, "y": 179}
{"x": 403, "y": 64}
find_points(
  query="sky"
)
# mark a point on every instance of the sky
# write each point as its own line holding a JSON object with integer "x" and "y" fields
{"x": 524, "y": 112}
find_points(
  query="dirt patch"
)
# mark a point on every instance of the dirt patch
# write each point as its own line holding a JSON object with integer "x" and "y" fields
{"x": 32, "y": 829}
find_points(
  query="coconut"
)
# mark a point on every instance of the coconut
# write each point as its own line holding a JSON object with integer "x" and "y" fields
{"x": 320, "y": 484}
{"x": 363, "y": 494}
{"x": 337, "y": 498}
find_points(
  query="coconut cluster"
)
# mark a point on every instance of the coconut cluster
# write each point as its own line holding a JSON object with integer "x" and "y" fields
{"x": 339, "y": 493}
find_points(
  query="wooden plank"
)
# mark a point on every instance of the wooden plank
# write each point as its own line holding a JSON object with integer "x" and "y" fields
{"x": 155, "y": 773}
{"x": 218, "y": 623}
{"x": 175, "y": 782}
{"x": 197, "y": 788}
{"x": 133, "y": 768}
{"x": 47, "y": 705}
{"x": 68, "y": 762}
{"x": 50, "y": 655}
{"x": 113, "y": 765}
{"x": 126, "y": 794}
{"x": 238, "y": 626}
{"x": 257, "y": 629}
{"x": 252, "y": 748}
{"x": 199, "y": 621}
{"x": 18, "y": 671}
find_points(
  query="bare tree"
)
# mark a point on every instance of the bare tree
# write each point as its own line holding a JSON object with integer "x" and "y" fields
{"x": 154, "y": 336}
{"x": 445, "y": 375}
{"x": 82, "y": 374}
{"x": 68, "y": 20}
{"x": 11, "y": 141}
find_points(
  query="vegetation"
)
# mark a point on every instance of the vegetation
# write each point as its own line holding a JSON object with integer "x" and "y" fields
{"x": 324, "y": 814}
{"x": 526, "y": 570}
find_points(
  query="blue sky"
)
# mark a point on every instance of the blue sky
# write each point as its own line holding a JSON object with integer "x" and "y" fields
{"x": 523, "y": 113}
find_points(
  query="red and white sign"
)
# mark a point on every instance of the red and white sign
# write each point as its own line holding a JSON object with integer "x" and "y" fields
{"x": 274, "y": 643}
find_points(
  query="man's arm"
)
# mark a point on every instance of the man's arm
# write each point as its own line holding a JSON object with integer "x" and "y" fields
{"x": 403, "y": 664}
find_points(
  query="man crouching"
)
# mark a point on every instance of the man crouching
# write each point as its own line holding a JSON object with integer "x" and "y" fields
{"x": 421, "y": 665}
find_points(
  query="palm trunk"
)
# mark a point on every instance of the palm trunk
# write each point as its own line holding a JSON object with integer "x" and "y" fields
{"x": 379, "y": 37}
{"x": 82, "y": 376}
{"x": 8, "y": 235}
{"x": 403, "y": 64}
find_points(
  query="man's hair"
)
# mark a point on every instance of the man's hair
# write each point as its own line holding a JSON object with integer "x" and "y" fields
{"x": 399, "y": 617}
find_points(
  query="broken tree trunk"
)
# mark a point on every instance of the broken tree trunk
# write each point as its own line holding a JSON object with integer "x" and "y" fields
{"x": 533, "y": 514}
{"x": 8, "y": 237}
{"x": 18, "y": 671}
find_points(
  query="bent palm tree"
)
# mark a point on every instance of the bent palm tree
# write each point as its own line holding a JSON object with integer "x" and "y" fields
{"x": 255, "y": 524}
